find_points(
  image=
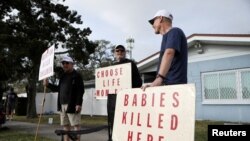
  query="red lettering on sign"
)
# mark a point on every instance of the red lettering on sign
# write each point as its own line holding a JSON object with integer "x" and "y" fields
{"x": 109, "y": 72}
{"x": 149, "y": 137}
{"x": 162, "y": 99}
{"x": 102, "y": 92}
{"x": 130, "y": 136}
{"x": 124, "y": 117}
{"x": 134, "y": 100}
{"x": 143, "y": 100}
{"x": 132, "y": 118}
{"x": 116, "y": 72}
{"x": 161, "y": 138}
{"x": 153, "y": 100}
{"x": 111, "y": 82}
{"x": 120, "y": 71}
{"x": 118, "y": 82}
{"x": 174, "y": 122}
{"x": 137, "y": 136}
{"x": 148, "y": 121}
{"x": 175, "y": 95}
{"x": 126, "y": 99}
{"x": 106, "y": 73}
{"x": 102, "y": 73}
{"x": 160, "y": 120}
{"x": 138, "y": 119}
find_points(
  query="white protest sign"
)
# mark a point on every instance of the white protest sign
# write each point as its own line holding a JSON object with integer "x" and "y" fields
{"x": 47, "y": 64}
{"x": 164, "y": 113}
{"x": 110, "y": 80}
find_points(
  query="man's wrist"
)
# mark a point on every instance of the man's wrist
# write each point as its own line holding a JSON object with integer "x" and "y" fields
{"x": 160, "y": 76}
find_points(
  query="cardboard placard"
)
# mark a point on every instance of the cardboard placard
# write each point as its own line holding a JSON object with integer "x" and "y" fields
{"x": 47, "y": 64}
{"x": 110, "y": 80}
{"x": 164, "y": 113}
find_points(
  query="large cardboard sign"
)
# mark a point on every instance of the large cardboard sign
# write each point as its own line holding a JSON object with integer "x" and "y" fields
{"x": 110, "y": 80}
{"x": 47, "y": 64}
{"x": 165, "y": 113}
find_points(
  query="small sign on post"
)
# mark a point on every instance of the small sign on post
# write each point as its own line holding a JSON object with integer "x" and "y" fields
{"x": 46, "y": 70}
{"x": 47, "y": 64}
{"x": 164, "y": 113}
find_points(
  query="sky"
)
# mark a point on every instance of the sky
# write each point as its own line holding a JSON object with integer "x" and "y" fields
{"x": 118, "y": 20}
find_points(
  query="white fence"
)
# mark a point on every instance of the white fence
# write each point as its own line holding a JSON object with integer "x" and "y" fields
{"x": 91, "y": 106}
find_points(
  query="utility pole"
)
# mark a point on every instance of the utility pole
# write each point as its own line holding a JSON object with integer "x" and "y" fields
{"x": 130, "y": 45}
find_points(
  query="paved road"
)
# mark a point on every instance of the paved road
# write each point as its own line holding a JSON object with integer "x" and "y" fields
{"x": 48, "y": 130}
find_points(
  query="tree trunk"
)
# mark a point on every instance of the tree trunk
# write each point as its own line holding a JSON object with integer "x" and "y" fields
{"x": 3, "y": 88}
{"x": 31, "y": 95}
{"x": 1, "y": 93}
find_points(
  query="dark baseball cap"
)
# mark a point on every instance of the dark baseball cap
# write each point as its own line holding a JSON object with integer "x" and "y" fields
{"x": 120, "y": 47}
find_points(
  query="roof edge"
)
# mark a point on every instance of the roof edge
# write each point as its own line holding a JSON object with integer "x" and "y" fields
{"x": 203, "y": 35}
{"x": 218, "y": 35}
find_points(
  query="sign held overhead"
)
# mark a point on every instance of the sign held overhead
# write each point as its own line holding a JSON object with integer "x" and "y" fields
{"x": 47, "y": 64}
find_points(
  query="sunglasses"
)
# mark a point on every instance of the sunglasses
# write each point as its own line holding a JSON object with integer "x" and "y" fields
{"x": 65, "y": 63}
{"x": 119, "y": 50}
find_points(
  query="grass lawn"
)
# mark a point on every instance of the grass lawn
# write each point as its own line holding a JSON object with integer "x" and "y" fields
{"x": 200, "y": 127}
{"x": 12, "y": 135}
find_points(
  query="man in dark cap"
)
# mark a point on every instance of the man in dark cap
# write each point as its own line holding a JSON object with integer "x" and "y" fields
{"x": 120, "y": 58}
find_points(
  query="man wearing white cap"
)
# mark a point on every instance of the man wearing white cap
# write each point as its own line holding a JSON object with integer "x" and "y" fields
{"x": 172, "y": 66}
{"x": 70, "y": 93}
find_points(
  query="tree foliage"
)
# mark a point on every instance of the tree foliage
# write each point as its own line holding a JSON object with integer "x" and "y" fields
{"x": 28, "y": 28}
{"x": 102, "y": 57}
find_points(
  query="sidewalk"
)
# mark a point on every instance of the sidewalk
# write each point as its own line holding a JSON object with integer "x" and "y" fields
{"x": 48, "y": 130}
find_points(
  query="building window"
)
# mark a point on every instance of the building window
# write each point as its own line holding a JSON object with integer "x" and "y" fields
{"x": 245, "y": 80}
{"x": 226, "y": 87}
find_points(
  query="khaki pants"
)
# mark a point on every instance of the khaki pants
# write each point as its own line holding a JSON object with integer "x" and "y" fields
{"x": 71, "y": 119}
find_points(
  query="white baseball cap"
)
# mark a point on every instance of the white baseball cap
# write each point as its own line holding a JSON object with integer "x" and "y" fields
{"x": 67, "y": 59}
{"x": 163, "y": 13}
